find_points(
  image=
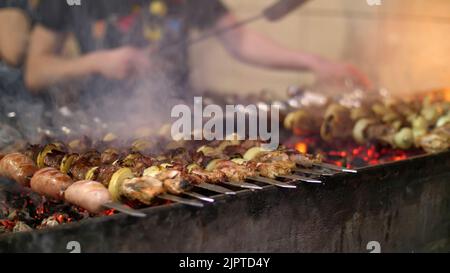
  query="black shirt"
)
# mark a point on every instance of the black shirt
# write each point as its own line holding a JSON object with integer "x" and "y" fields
{"x": 102, "y": 24}
{"x": 106, "y": 24}
{"x": 22, "y": 4}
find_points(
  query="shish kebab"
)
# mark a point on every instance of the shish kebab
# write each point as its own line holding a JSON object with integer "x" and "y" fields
{"x": 123, "y": 182}
{"x": 214, "y": 165}
{"x": 52, "y": 183}
{"x": 101, "y": 168}
{"x": 259, "y": 165}
{"x": 136, "y": 162}
{"x": 270, "y": 164}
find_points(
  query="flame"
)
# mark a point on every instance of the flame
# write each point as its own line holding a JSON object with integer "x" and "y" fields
{"x": 301, "y": 147}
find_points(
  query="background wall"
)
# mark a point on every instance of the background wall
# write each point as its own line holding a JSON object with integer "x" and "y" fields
{"x": 401, "y": 55}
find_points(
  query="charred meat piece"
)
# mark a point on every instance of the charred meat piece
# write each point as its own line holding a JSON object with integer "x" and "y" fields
{"x": 177, "y": 185}
{"x": 32, "y": 151}
{"x": 173, "y": 181}
{"x": 54, "y": 159}
{"x": 103, "y": 174}
{"x": 109, "y": 156}
{"x": 137, "y": 163}
{"x": 83, "y": 164}
{"x": 143, "y": 189}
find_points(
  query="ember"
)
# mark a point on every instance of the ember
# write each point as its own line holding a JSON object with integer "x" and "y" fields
{"x": 23, "y": 212}
{"x": 350, "y": 154}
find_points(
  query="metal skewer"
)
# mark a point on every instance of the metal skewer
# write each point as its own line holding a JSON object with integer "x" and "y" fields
{"x": 334, "y": 168}
{"x": 215, "y": 188}
{"x": 300, "y": 178}
{"x": 199, "y": 196}
{"x": 124, "y": 209}
{"x": 177, "y": 199}
{"x": 243, "y": 185}
{"x": 271, "y": 182}
{"x": 312, "y": 172}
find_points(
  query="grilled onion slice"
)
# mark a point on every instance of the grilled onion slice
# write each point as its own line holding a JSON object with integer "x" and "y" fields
{"x": 116, "y": 182}
{"x": 359, "y": 131}
{"x": 48, "y": 149}
{"x": 404, "y": 139}
{"x": 66, "y": 162}
{"x": 212, "y": 165}
{"x": 152, "y": 171}
{"x": 90, "y": 174}
{"x": 254, "y": 152}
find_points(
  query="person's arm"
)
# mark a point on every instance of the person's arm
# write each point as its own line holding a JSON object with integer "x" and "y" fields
{"x": 46, "y": 67}
{"x": 253, "y": 48}
{"x": 14, "y": 34}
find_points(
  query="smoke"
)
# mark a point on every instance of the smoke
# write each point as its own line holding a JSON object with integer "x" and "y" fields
{"x": 104, "y": 106}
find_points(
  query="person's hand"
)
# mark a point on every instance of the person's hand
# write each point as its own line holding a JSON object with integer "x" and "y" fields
{"x": 121, "y": 63}
{"x": 328, "y": 72}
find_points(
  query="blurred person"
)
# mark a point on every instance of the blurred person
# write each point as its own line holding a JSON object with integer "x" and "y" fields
{"x": 116, "y": 38}
{"x": 18, "y": 108}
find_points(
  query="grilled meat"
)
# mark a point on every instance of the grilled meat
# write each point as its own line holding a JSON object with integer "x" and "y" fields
{"x": 103, "y": 174}
{"x": 32, "y": 151}
{"x": 54, "y": 159}
{"x": 143, "y": 189}
{"x": 273, "y": 169}
{"x": 173, "y": 181}
{"x": 18, "y": 167}
{"x": 233, "y": 171}
{"x": 83, "y": 164}
{"x": 51, "y": 183}
{"x": 109, "y": 156}
{"x": 89, "y": 195}
{"x": 137, "y": 163}
{"x": 197, "y": 175}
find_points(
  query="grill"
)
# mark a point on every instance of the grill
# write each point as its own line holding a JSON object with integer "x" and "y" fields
{"x": 402, "y": 205}
{"x": 355, "y": 195}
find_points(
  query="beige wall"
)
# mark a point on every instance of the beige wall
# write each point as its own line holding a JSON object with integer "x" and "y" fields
{"x": 399, "y": 55}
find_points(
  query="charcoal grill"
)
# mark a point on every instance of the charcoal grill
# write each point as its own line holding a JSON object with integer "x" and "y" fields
{"x": 404, "y": 205}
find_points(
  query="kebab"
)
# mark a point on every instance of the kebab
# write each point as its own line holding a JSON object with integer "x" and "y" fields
{"x": 124, "y": 184}
{"x": 251, "y": 150}
{"x": 257, "y": 164}
{"x": 54, "y": 184}
{"x": 93, "y": 166}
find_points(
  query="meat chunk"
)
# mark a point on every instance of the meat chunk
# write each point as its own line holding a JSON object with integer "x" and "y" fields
{"x": 51, "y": 183}
{"x": 143, "y": 189}
{"x": 18, "y": 167}
{"x": 89, "y": 195}
{"x": 235, "y": 172}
